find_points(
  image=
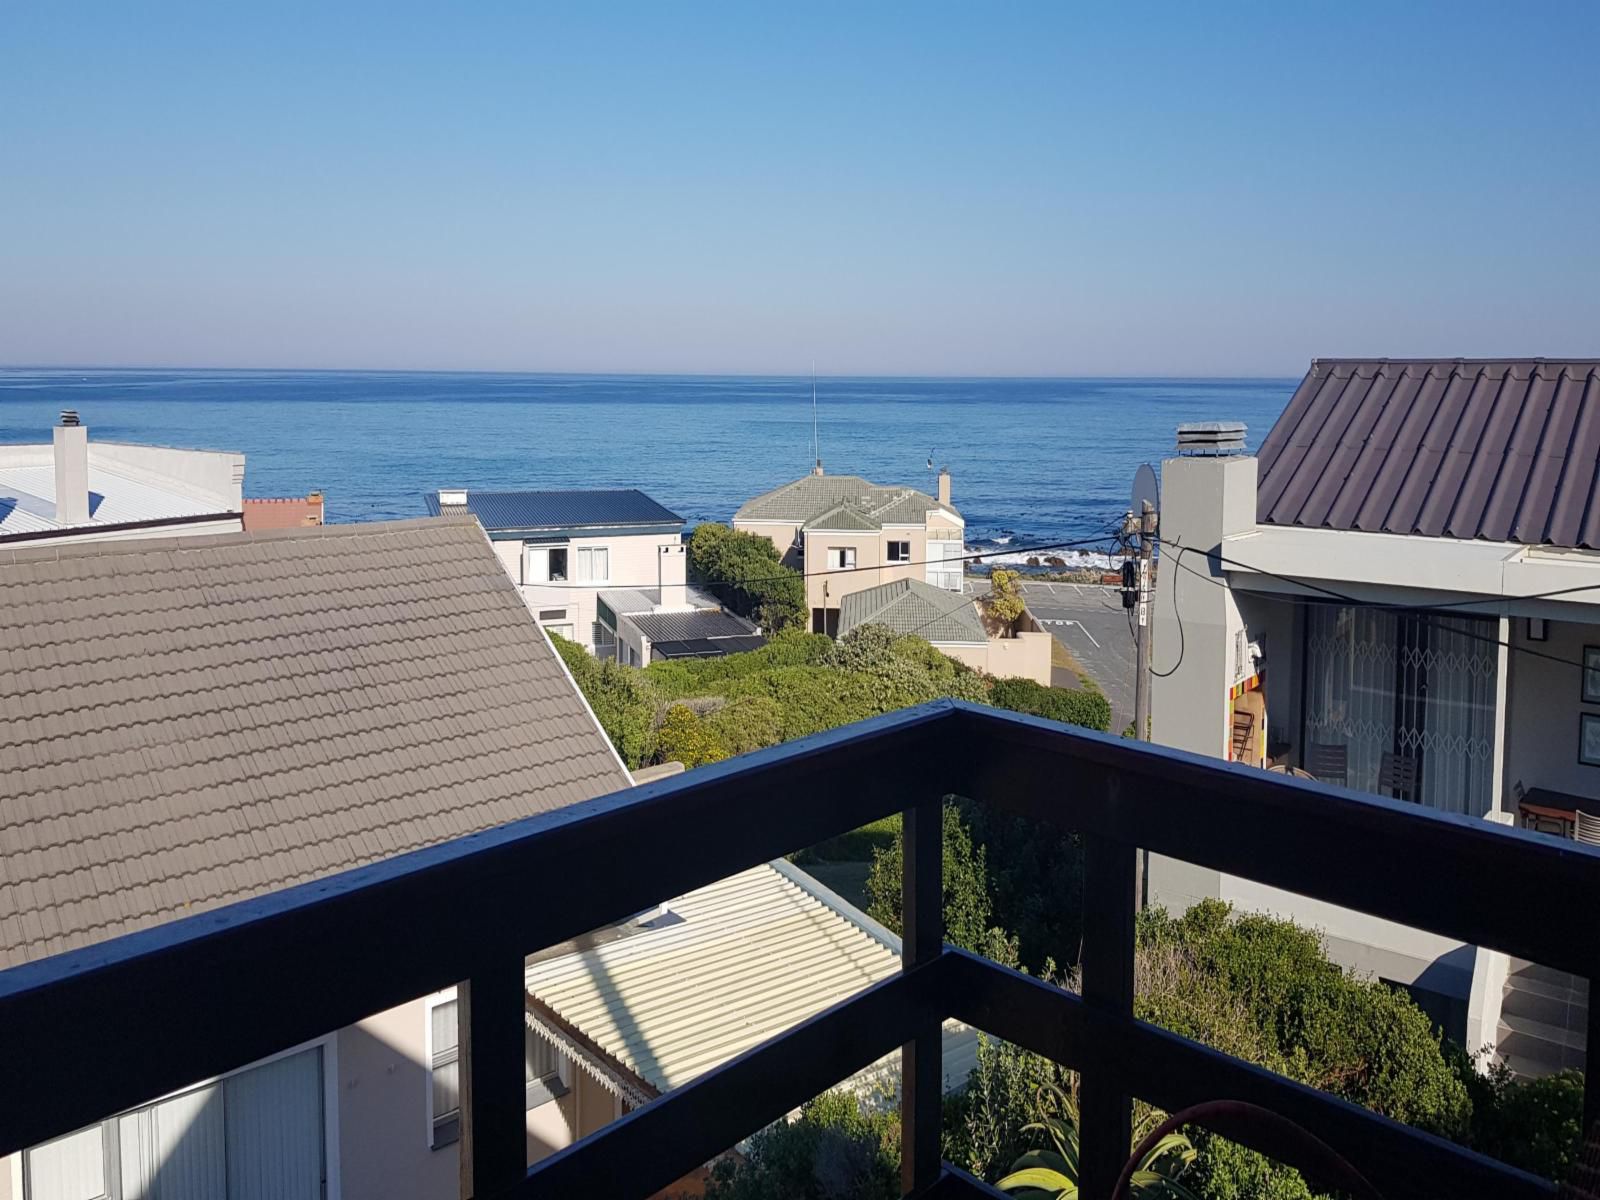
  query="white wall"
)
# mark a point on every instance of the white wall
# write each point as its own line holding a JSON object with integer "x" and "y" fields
{"x": 209, "y": 474}
{"x": 1545, "y": 701}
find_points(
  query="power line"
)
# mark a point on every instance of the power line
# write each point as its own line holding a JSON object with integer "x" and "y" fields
{"x": 1419, "y": 611}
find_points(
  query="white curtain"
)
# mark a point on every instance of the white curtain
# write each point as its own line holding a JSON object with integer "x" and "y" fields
{"x": 69, "y": 1168}
{"x": 1350, "y": 686}
{"x": 1456, "y": 737}
{"x": 275, "y": 1130}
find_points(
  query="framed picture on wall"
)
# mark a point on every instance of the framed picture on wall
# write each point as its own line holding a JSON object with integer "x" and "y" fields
{"x": 1589, "y": 739}
{"x": 1591, "y": 674}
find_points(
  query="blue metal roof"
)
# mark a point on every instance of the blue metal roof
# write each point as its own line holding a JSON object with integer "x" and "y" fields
{"x": 560, "y": 510}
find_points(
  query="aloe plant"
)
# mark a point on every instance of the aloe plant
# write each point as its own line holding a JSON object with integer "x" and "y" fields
{"x": 1053, "y": 1174}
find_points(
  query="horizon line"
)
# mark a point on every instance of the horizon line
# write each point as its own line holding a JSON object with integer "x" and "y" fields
{"x": 804, "y": 375}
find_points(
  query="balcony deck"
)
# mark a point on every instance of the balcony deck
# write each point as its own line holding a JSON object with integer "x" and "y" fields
{"x": 89, "y": 1033}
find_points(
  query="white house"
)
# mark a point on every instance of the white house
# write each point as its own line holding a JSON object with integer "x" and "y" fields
{"x": 847, "y": 534}
{"x": 1400, "y": 594}
{"x": 564, "y": 548}
{"x": 74, "y": 490}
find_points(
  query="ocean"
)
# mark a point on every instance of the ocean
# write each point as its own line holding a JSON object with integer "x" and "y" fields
{"x": 1033, "y": 461}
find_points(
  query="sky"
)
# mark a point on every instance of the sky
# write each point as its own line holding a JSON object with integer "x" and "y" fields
{"x": 1051, "y": 189}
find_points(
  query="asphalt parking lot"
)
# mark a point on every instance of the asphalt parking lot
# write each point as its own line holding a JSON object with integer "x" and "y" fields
{"x": 1090, "y": 622}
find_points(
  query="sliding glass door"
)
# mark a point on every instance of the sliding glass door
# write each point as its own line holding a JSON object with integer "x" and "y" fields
{"x": 256, "y": 1135}
{"x": 1404, "y": 702}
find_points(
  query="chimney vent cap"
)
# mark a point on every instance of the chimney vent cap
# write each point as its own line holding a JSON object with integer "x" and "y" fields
{"x": 1211, "y": 437}
{"x": 69, "y": 417}
{"x": 456, "y": 496}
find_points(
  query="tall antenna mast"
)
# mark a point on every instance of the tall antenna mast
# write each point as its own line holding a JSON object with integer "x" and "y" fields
{"x": 816, "y": 446}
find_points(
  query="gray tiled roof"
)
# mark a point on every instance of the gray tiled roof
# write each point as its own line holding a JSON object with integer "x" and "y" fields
{"x": 911, "y": 606}
{"x": 810, "y": 496}
{"x": 842, "y": 516}
{"x": 608, "y": 508}
{"x": 683, "y": 626}
{"x": 1504, "y": 450}
{"x": 194, "y": 721}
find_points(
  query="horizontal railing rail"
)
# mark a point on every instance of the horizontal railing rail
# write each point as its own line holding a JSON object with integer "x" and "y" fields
{"x": 91, "y": 1032}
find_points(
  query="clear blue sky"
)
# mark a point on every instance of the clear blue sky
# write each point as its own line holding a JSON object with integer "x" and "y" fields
{"x": 1013, "y": 189}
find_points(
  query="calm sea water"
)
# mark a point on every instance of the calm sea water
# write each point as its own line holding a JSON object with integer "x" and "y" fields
{"x": 1032, "y": 460}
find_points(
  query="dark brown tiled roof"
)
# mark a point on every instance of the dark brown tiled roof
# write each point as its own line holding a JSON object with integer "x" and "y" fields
{"x": 193, "y": 721}
{"x": 1503, "y": 450}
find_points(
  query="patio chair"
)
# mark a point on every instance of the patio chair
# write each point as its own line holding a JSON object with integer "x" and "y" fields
{"x": 1586, "y": 827}
{"x": 1328, "y": 762}
{"x": 1397, "y": 776}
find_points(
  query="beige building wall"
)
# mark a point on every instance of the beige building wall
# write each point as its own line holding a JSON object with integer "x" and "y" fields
{"x": 780, "y": 533}
{"x": 634, "y": 561}
{"x": 1026, "y": 656}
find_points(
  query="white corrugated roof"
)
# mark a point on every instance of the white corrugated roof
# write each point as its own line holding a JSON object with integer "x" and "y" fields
{"x": 28, "y": 500}
{"x": 746, "y": 958}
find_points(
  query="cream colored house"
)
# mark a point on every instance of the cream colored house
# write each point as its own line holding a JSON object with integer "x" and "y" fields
{"x": 955, "y": 625}
{"x": 74, "y": 490}
{"x": 563, "y": 549}
{"x": 847, "y": 534}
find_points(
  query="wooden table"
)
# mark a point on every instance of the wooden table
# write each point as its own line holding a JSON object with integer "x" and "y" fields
{"x": 1548, "y": 811}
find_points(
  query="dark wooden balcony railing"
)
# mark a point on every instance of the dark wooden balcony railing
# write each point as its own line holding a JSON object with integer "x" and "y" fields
{"x": 86, "y": 1034}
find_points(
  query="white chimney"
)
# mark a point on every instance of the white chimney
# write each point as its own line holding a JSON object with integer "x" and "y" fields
{"x": 72, "y": 470}
{"x": 944, "y": 486}
{"x": 452, "y": 497}
{"x": 671, "y": 578}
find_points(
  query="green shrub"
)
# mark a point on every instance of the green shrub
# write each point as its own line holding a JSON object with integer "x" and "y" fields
{"x": 966, "y": 890}
{"x": 1356, "y": 1038}
{"x": 1087, "y": 708}
{"x": 747, "y": 723}
{"x": 1535, "y": 1124}
{"x": 835, "y": 1150}
{"x": 1035, "y": 878}
{"x": 621, "y": 697}
{"x": 746, "y": 573}
{"x": 812, "y": 698}
{"x": 684, "y": 737}
{"x": 679, "y": 677}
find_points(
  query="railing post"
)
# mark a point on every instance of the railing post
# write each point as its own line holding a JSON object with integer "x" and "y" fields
{"x": 492, "y": 1015}
{"x": 1105, "y": 1111}
{"x": 921, "y": 1060}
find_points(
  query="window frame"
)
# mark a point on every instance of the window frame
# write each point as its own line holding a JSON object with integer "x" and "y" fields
{"x": 847, "y": 558}
{"x": 583, "y": 563}
{"x": 898, "y": 551}
{"x": 537, "y": 1091}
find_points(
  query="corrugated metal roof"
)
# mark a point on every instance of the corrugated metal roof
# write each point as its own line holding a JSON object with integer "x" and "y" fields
{"x": 912, "y": 606}
{"x": 751, "y": 956}
{"x": 810, "y": 496}
{"x": 679, "y": 626}
{"x": 561, "y": 510}
{"x": 28, "y": 500}
{"x": 1501, "y": 450}
{"x": 187, "y": 722}
{"x": 707, "y": 647}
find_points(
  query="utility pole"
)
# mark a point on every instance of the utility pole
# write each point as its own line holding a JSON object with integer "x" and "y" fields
{"x": 1146, "y": 527}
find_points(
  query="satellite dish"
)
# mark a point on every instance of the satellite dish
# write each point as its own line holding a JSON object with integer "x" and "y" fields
{"x": 1145, "y": 487}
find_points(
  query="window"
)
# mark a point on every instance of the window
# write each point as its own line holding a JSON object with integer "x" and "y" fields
{"x": 900, "y": 552}
{"x": 841, "y": 558}
{"x": 564, "y": 629}
{"x": 943, "y": 568}
{"x": 544, "y": 1069}
{"x": 545, "y": 564}
{"x": 594, "y": 564}
{"x": 552, "y": 614}
{"x": 256, "y": 1135}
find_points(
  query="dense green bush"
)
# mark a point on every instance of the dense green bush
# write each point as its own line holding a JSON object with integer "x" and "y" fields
{"x": 1356, "y": 1038}
{"x": 1534, "y": 1124}
{"x": 747, "y": 723}
{"x": 835, "y": 1150}
{"x": 966, "y": 891}
{"x": 1087, "y": 708}
{"x": 812, "y": 698}
{"x": 899, "y": 670}
{"x": 684, "y": 737}
{"x": 1035, "y": 876}
{"x": 621, "y": 697}
{"x": 679, "y": 677}
{"x": 746, "y": 573}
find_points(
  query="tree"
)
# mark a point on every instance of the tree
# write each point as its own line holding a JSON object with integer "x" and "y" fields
{"x": 966, "y": 891}
{"x": 1088, "y": 708}
{"x": 1005, "y": 601}
{"x": 748, "y": 575}
{"x": 621, "y": 697}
